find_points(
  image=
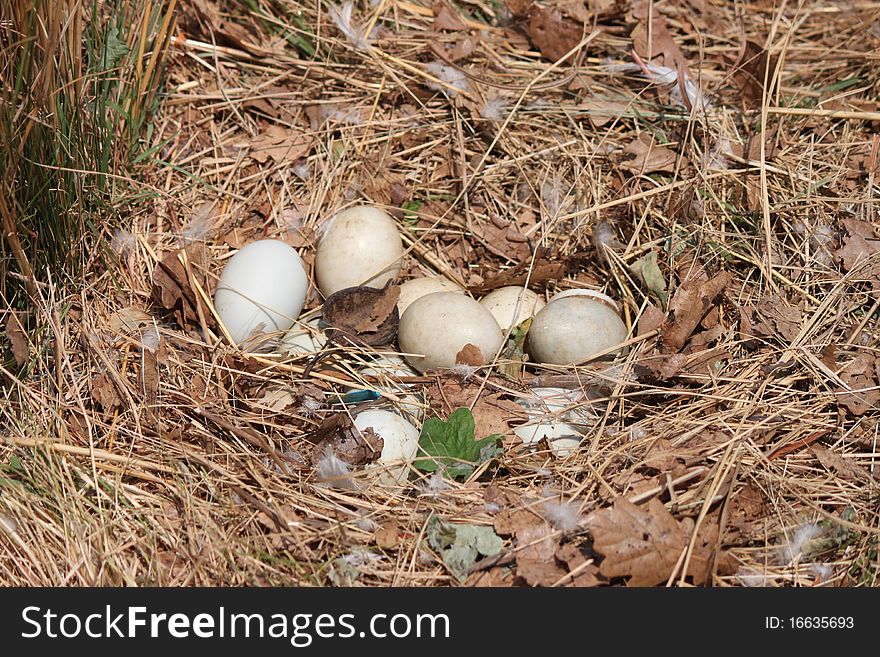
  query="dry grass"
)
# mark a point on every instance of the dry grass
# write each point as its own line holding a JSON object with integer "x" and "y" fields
{"x": 191, "y": 472}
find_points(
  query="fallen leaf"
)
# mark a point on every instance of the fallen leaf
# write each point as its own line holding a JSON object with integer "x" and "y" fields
{"x": 491, "y": 410}
{"x": 461, "y": 545}
{"x": 647, "y": 269}
{"x": 17, "y": 339}
{"x": 581, "y": 573}
{"x": 281, "y": 144}
{"x": 841, "y": 466}
{"x": 171, "y": 285}
{"x": 651, "y": 38}
{"x": 364, "y": 315}
{"x": 690, "y": 303}
{"x": 104, "y": 392}
{"x": 446, "y": 17}
{"x": 536, "y": 555}
{"x": 129, "y": 319}
{"x": 388, "y": 534}
{"x": 859, "y": 251}
{"x": 551, "y": 31}
{"x": 338, "y": 433}
{"x": 644, "y": 543}
{"x": 861, "y": 376}
{"x": 647, "y": 156}
{"x": 652, "y": 318}
{"x": 753, "y": 66}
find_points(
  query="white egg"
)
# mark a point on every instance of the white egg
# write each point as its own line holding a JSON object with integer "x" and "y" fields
{"x": 303, "y": 338}
{"x": 386, "y": 368}
{"x": 579, "y": 292}
{"x": 573, "y": 329}
{"x": 401, "y": 442}
{"x": 437, "y": 326}
{"x": 361, "y": 246}
{"x": 418, "y": 287}
{"x": 261, "y": 290}
{"x": 562, "y": 437}
{"x": 512, "y": 305}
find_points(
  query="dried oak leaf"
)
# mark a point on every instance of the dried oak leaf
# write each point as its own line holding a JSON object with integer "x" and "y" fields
{"x": 536, "y": 555}
{"x": 104, "y": 392}
{"x": 348, "y": 443}
{"x": 580, "y": 572}
{"x": 470, "y": 355}
{"x": 861, "y": 244}
{"x": 646, "y": 156}
{"x": 551, "y": 31}
{"x": 364, "y": 315}
{"x": 690, "y": 303}
{"x": 388, "y": 534}
{"x": 651, "y": 38}
{"x": 861, "y": 376}
{"x": 644, "y": 543}
{"x": 446, "y": 17}
{"x": 281, "y": 144}
{"x": 17, "y": 340}
{"x": 753, "y": 66}
{"x": 171, "y": 283}
{"x": 841, "y": 466}
{"x": 773, "y": 316}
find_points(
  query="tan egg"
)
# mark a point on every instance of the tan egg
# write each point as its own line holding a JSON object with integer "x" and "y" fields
{"x": 581, "y": 292}
{"x": 416, "y": 288}
{"x": 437, "y": 326}
{"x": 512, "y": 305}
{"x": 361, "y": 246}
{"x": 573, "y": 329}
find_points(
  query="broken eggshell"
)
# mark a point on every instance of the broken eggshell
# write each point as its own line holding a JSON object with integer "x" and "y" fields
{"x": 361, "y": 246}
{"x": 416, "y": 288}
{"x": 436, "y": 327}
{"x": 573, "y": 329}
{"x": 557, "y": 414}
{"x": 400, "y": 444}
{"x": 262, "y": 290}
{"x": 512, "y": 305}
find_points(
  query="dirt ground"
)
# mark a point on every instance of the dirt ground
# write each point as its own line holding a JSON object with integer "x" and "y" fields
{"x": 710, "y": 166}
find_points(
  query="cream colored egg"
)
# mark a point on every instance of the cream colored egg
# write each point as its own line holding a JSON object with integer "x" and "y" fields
{"x": 361, "y": 246}
{"x": 595, "y": 294}
{"x": 436, "y": 327}
{"x": 512, "y": 305}
{"x": 416, "y": 288}
{"x": 401, "y": 442}
{"x": 261, "y": 290}
{"x": 573, "y": 329}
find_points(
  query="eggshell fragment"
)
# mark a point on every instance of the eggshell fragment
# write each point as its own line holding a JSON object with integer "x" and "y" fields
{"x": 261, "y": 290}
{"x": 512, "y": 305}
{"x": 437, "y": 326}
{"x": 562, "y": 437}
{"x": 401, "y": 442}
{"x": 573, "y": 329}
{"x": 418, "y": 287}
{"x": 361, "y": 246}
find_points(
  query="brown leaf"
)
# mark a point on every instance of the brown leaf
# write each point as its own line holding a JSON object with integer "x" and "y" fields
{"x": 841, "y": 466}
{"x": 861, "y": 244}
{"x": 548, "y": 29}
{"x": 281, "y": 144}
{"x": 171, "y": 286}
{"x": 446, "y": 17}
{"x": 688, "y": 306}
{"x": 17, "y": 339}
{"x": 860, "y": 375}
{"x": 644, "y": 543}
{"x": 647, "y": 156}
{"x": 364, "y": 315}
{"x": 348, "y": 443}
{"x": 750, "y": 69}
{"x": 104, "y": 392}
{"x": 582, "y": 573}
{"x": 536, "y": 555}
{"x": 652, "y": 40}
{"x": 388, "y": 534}
{"x": 470, "y": 355}
{"x": 652, "y": 318}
